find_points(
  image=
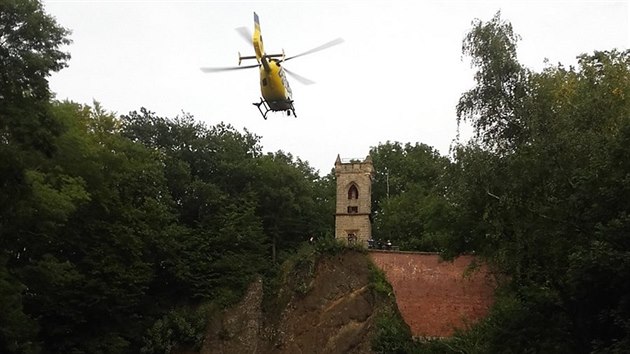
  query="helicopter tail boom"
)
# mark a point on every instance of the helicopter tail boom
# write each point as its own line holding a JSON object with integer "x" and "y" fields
{"x": 257, "y": 39}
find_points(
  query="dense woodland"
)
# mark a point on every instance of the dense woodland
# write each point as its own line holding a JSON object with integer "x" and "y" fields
{"x": 122, "y": 233}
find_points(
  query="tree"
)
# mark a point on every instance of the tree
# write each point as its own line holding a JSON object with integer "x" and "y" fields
{"x": 29, "y": 52}
{"x": 220, "y": 244}
{"x": 542, "y": 194}
{"x": 494, "y": 106}
{"x": 30, "y": 42}
{"x": 408, "y": 195}
{"x": 287, "y": 201}
{"x": 18, "y": 332}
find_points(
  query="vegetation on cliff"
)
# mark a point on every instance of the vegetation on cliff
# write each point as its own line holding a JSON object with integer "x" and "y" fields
{"x": 325, "y": 298}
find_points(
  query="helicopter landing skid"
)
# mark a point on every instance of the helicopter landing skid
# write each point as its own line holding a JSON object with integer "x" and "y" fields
{"x": 265, "y": 106}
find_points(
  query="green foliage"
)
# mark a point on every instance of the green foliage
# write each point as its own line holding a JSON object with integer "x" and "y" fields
{"x": 408, "y": 203}
{"x": 329, "y": 245}
{"x": 495, "y": 105}
{"x": 179, "y": 328}
{"x": 542, "y": 192}
{"x": 112, "y": 229}
{"x": 299, "y": 269}
{"x": 18, "y": 334}
{"x": 130, "y": 218}
{"x": 510, "y": 328}
{"x": 291, "y": 206}
{"x": 29, "y": 53}
{"x": 303, "y": 272}
{"x": 379, "y": 283}
{"x": 392, "y": 334}
{"x": 30, "y": 48}
{"x": 133, "y": 217}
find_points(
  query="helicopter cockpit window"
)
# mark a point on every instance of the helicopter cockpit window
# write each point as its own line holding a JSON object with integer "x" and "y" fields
{"x": 264, "y": 82}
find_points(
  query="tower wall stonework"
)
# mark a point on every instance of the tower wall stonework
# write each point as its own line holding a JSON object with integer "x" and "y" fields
{"x": 354, "y": 200}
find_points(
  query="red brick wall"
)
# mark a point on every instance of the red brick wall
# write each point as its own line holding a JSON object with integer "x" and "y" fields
{"x": 433, "y": 296}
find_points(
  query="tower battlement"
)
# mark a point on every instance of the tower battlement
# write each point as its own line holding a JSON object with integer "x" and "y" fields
{"x": 352, "y": 165}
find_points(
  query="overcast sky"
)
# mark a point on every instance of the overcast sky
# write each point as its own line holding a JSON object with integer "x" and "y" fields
{"x": 397, "y": 76}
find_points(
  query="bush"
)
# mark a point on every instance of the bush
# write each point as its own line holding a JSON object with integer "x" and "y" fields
{"x": 329, "y": 245}
{"x": 392, "y": 334}
{"x": 179, "y": 328}
{"x": 379, "y": 283}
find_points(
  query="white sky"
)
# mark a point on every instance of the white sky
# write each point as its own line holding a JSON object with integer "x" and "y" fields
{"x": 397, "y": 77}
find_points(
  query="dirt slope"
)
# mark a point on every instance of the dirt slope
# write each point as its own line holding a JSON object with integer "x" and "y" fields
{"x": 324, "y": 306}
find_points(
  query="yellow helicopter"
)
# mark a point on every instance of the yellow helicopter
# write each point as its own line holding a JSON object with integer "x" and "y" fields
{"x": 274, "y": 86}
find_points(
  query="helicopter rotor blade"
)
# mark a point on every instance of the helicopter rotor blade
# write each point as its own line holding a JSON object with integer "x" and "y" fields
{"x": 327, "y": 45}
{"x": 299, "y": 78}
{"x": 246, "y": 34}
{"x": 230, "y": 68}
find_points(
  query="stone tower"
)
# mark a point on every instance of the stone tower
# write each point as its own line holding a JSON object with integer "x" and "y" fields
{"x": 354, "y": 200}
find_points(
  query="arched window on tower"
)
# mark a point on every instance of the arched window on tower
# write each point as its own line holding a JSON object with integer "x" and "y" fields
{"x": 353, "y": 192}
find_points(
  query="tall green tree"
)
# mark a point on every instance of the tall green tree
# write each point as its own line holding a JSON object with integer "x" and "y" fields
{"x": 30, "y": 42}
{"x": 101, "y": 206}
{"x": 494, "y": 106}
{"x": 290, "y": 206}
{"x": 541, "y": 192}
{"x": 30, "y": 49}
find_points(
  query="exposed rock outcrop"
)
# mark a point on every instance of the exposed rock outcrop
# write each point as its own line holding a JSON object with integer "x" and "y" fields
{"x": 331, "y": 309}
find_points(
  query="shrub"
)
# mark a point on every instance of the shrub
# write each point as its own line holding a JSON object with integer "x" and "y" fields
{"x": 179, "y": 328}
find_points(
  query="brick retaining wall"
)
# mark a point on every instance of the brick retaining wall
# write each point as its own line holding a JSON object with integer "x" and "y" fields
{"x": 433, "y": 296}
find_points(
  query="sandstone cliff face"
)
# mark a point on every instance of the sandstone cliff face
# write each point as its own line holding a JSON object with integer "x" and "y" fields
{"x": 335, "y": 316}
{"x": 332, "y": 313}
{"x": 238, "y": 330}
